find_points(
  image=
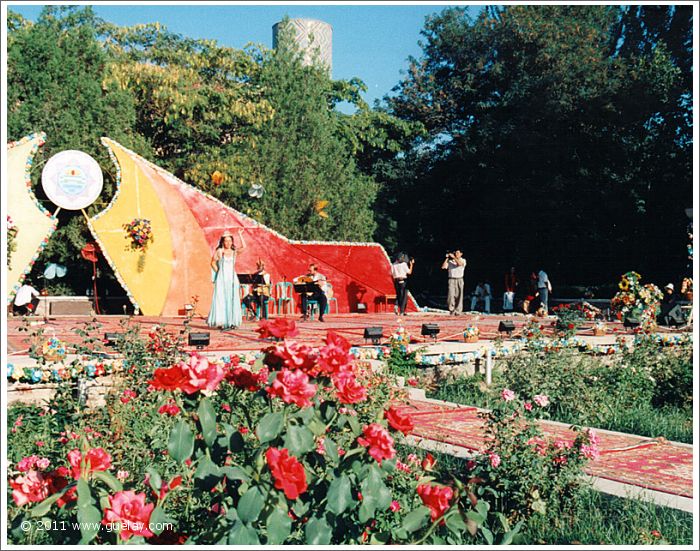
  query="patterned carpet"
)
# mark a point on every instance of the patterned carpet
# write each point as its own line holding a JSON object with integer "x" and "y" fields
{"x": 351, "y": 326}
{"x": 654, "y": 464}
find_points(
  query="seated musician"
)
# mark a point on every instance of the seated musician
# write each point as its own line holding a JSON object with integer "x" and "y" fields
{"x": 260, "y": 293}
{"x": 318, "y": 294}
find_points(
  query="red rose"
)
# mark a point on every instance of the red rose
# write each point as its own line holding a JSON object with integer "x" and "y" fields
{"x": 436, "y": 498}
{"x": 398, "y": 421}
{"x": 129, "y": 510}
{"x": 279, "y": 328}
{"x": 349, "y": 391}
{"x": 428, "y": 462}
{"x": 294, "y": 356}
{"x": 332, "y": 338}
{"x": 379, "y": 441}
{"x": 288, "y": 473}
{"x": 171, "y": 378}
{"x": 293, "y": 387}
{"x": 30, "y": 487}
{"x": 96, "y": 459}
{"x": 243, "y": 378}
{"x": 169, "y": 408}
{"x": 334, "y": 358}
{"x": 570, "y": 326}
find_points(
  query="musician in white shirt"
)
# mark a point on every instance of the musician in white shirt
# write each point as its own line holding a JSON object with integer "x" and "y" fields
{"x": 319, "y": 293}
{"x": 400, "y": 270}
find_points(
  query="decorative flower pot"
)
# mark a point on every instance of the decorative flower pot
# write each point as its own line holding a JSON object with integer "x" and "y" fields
{"x": 471, "y": 338}
{"x": 599, "y": 331}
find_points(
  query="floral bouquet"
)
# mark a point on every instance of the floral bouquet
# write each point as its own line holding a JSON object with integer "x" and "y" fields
{"x": 599, "y": 328}
{"x": 400, "y": 337}
{"x": 471, "y": 333}
{"x": 637, "y": 301}
{"x": 140, "y": 234}
{"x": 11, "y": 238}
{"x": 53, "y": 350}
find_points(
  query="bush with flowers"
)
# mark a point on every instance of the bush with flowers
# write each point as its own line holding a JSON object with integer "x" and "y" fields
{"x": 524, "y": 472}
{"x": 139, "y": 233}
{"x": 637, "y": 301}
{"x": 298, "y": 446}
{"x": 571, "y": 316}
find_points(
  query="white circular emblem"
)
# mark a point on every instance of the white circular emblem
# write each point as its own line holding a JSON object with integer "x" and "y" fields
{"x": 72, "y": 179}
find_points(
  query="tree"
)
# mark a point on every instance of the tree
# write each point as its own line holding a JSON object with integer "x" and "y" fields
{"x": 540, "y": 138}
{"x": 55, "y": 71}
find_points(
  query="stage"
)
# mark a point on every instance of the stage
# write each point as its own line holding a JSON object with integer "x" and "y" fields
{"x": 350, "y": 326}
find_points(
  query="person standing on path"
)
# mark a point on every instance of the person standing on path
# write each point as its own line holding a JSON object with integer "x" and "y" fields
{"x": 455, "y": 264}
{"x": 400, "y": 270}
{"x": 544, "y": 287}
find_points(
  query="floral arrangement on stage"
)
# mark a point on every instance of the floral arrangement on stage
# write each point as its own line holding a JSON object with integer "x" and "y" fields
{"x": 637, "y": 301}
{"x": 400, "y": 337}
{"x": 12, "y": 231}
{"x": 471, "y": 333}
{"x": 53, "y": 350}
{"x": 140, "y": 233}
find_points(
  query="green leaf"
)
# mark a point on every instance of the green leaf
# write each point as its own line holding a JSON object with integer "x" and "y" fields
{"x": 85, "y": 497}
{"x": 250, "y": 505}
{"x": 317, "y": 531}
{"x": 181, "y": 444}
{"x": 339, "y": 495}
{"x": 45, "y": 506}
{"x": 488, "y": 535}
{"x": 279, "y": 526}
{"x": 235, "y": 473}
{"x": 299, "y": 440}
{"x": 241, "y": 534}
{"x": 416, "y": 519}
{"x": 375, "y": 494}
{"x": 455, "y": 523}
{"x": 154, "y": 479}
{"x": 158, "y": 520}
{"x": 331, "y": 450}
{"x": 208, "y": 473}
{"x": 89, "y": 518}
{"x": 270, "y": 426}
{"x": 207, "y": 418}
{"x": 109, "y": 479}
{"x": 354, "y": 424}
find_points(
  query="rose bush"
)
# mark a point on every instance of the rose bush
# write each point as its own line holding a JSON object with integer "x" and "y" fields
{"x": 297, "y": 445}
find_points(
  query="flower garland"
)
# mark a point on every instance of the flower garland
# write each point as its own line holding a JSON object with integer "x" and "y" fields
{"x": 60, "y": 373}
{"x": 12, "y": 231}
{"x": 140, "y": 233}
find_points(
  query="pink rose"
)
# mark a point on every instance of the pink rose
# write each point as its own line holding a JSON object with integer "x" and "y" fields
{"x": 507, "y": 394}
{"x": 293, "y": 387}
{"x": 30, "y": 488}
{"x": 541, "y": 400}
{"x": 27, "y": 463}
{"x": 395, "y": 506}
{"x": 379, "y": 441}
{"x": 494, "y": 459}
{"x": 43, "y": 463}
{"x": 131, "y": 512}
{"x": 349, "y": 391}
{"x": 590, "y": 452}
{"x": 528, "y": 406}
{"x": 96, "y": 459}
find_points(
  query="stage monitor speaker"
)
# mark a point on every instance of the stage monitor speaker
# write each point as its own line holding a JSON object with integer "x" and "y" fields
{"x": 111, "y": 339}
{"x": 631, "y": 322}
{"x": 374, "y": 333}
{"x": 430, "y": 330}
{"x": 200, "y": 340}
{"x": 361, "y": 308}
{"x": 506, "y": 326}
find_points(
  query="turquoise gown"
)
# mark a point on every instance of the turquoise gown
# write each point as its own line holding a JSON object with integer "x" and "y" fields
{"x": 226, "y": 302}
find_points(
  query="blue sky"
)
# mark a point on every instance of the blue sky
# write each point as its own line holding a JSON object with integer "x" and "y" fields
{"x": 369, "y": 42}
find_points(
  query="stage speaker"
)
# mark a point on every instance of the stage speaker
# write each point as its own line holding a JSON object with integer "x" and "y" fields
{"x": 374, "y": 333}
{"x": 675, "y": 316}
{"x": 111, "y": 339}
{"x": 200, "y": 340}
{"x": 631, "y": 322}
{"x": 506, "y": 326}
{"x": 430, "y": 330}
{"x": 361, "y": 308}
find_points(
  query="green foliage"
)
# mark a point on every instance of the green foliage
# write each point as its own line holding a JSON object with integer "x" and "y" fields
{"x": 645, "y": 390}
{"x": 576, "y": 118}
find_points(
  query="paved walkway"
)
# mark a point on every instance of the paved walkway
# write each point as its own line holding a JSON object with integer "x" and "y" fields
{"x": 629, "y": 465}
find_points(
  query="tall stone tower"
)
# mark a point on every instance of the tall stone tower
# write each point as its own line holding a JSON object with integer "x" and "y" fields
{"x": 310, "y": 35}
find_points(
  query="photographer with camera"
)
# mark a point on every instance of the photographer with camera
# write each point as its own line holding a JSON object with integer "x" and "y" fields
{"x": 400, "y": 270}
{"x": 454, "y": 264}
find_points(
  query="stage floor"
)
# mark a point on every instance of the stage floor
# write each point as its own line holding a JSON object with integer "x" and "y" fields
{"x": 350, "y": 326}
